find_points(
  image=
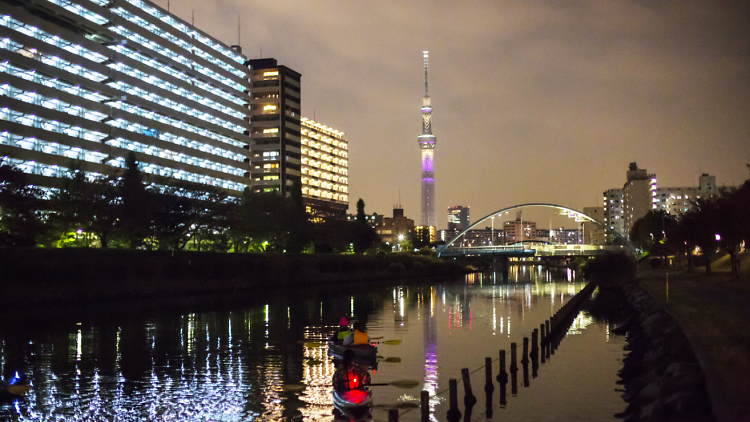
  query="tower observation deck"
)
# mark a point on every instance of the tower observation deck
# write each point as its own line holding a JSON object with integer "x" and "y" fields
{"x": 427, "y": 145}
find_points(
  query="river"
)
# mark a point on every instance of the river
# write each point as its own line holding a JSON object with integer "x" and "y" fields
{"x": 250, "y": 361}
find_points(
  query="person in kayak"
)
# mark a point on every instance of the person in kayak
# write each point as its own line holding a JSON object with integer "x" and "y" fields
{"x": 340, "y": 335}
{"x": 350, "y": 376}
{"x": 357, "y": 336}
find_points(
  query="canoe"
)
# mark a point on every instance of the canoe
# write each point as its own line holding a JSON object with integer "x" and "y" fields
{"x": 353, "y": 399}
{"x": 361, "y": 351}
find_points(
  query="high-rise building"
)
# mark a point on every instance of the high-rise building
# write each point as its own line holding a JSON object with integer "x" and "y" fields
{"x": 519, "y": 230}
{"x": 325, "y": 165}
{"x": 95, "y": 80}
{"x": 458, "y": 218}
{"x": 427, "y": 145}
{"x": 276, "y": 126}
{"x": 639, "y": 195}
{"x": 613, "y": 214}
{"x": 677, "y": 201}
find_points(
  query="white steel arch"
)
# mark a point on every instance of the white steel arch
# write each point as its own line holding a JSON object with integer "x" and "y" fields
{"x": 579, "y": 216}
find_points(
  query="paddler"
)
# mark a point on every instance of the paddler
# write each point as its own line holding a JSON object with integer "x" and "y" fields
{"x": 350, "y": 376}
{"x": 357, "y": 336}
{"x": 340, "y": 335}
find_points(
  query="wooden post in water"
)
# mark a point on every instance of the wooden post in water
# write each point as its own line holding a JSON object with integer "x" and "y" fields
{"x": 488, "y": 385}
{"x": 513, "y": 365}
{"x": 502, "y": 377}
{"x": 453, "y": 413}
{"x": 546, "y": 330}
{"x": 393, "y": 415}
{"x": 535, "y": 342}
{"x": 525, "y": 357}
{"x": 469, "y": 399}
{"x": 425, "y": 406}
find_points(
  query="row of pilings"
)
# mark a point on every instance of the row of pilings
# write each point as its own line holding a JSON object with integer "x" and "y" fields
{"x": 544, "y": 342}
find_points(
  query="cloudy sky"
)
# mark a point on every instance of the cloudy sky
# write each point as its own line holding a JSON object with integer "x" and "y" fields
{"x": 534, "y": 101}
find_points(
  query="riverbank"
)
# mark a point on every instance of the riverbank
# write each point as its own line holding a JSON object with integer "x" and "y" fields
{"x": 713, "y": 310}
{"x": 83, "y": 276}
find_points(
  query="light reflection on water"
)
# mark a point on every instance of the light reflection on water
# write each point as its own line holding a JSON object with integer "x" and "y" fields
{"x": 245, "y": 364}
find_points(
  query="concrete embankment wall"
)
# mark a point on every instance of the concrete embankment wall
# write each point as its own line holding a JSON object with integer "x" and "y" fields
{"x": 662, "y": 377}
{"x": 62, "y": 275}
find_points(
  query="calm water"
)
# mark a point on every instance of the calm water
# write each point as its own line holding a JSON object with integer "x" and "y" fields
{"x": 248, "y": 362}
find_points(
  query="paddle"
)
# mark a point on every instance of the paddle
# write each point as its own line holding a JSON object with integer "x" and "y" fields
{"x": 399, "y": 384}
{"x": 375, "y": 338}
{"x": 392, "y": 360}
{"x": 389, "y": 342}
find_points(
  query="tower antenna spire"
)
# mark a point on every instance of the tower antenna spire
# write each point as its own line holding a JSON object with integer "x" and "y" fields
{"x": 426, "y": 58}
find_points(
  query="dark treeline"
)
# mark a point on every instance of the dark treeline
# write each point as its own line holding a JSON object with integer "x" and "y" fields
{"x": 122, "y": 210}
{"x": 720, "y": 222}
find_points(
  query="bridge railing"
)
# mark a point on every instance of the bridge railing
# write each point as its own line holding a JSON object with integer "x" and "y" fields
{"x": 531, "y": 250}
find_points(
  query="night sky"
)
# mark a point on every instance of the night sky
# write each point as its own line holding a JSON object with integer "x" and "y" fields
{"x": 533, "y": 101}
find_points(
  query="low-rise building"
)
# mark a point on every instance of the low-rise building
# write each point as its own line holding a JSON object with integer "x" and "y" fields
{"x": 396, "y": 229}
{"x": 593, "y": 234}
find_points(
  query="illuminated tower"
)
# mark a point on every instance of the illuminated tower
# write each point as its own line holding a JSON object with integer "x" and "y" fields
{"x": 427, "y": 144}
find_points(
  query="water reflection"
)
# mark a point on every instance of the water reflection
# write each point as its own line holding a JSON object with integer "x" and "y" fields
{"x": 244, "y": 364}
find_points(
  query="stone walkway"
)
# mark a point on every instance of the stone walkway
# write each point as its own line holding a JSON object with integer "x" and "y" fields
{"x": 714, "y": 312}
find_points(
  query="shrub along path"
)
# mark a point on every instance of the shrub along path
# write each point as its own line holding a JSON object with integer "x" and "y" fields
{"x": 714, "y": 311}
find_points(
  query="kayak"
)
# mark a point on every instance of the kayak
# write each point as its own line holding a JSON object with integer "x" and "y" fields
{"x": 14, "y": 386}
{"x": 353, "y": 399}
{"x": 361, "y": 351}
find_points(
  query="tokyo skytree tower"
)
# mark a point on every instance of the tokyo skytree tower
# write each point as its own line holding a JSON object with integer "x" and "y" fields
{"x": 427, "y": 144}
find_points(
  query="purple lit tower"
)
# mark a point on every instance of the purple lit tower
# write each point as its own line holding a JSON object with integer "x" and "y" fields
{"x": 427, "y": 144}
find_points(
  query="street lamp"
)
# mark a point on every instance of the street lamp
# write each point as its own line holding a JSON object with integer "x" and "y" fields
{"x": 400, "y": 239}
{"x": 492, "y": 233}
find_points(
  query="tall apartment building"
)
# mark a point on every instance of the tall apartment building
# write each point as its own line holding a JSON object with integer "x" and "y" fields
{"x": 458, "y": 218}
{"x": 325, "y": 167}
{"x": 613, "y": 213}
{"x": 93, "y": 80}
{"x": 639, "y": 196}
{"x": 518, "y": 230}
{"x": 677, "y": 201}
{"x": 275, "y": 140}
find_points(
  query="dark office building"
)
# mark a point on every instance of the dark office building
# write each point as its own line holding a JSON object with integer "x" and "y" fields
{"x": 276, "y": 128}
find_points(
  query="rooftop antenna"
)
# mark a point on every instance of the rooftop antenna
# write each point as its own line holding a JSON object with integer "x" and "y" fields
{"x": 167, "y": 5}
{"x": 399, "y": 197}
{"x": 238, "y": 29}
{"x": 193, "y": 17}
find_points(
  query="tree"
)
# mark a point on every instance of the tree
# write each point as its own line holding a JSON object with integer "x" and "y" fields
{"x": 361, "y": 216}
{"x": 137, "y": 208}
{"x": 298, "y": 232}
{"x": 21, "y": 204}
{"x": 86, "y": 203}
{"x": 699, "y": 228}
{"x": 182, "y": 210}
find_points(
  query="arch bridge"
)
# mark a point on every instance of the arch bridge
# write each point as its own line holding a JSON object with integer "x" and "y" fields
{"x": 535, "y": 248}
